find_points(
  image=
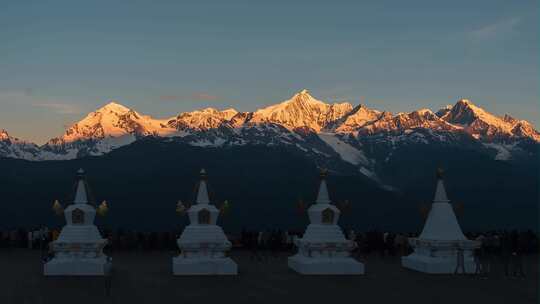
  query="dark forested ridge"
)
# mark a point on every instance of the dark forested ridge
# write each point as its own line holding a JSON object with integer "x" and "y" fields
{"x": 142, "y": 183}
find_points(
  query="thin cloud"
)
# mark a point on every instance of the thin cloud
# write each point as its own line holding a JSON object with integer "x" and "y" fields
{"x": 28, "y": 98}
{"x": 195, "y": 96}
{"x": 60, "y": 108}
{"x": 495, "y": 30}
{"x": 204, "y": 96}
{"x": 169, "y": 97}
{"x": 352, "y": 100}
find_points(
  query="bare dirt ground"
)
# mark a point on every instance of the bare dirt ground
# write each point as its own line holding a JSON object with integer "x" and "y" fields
{"x": 146, "y": 278}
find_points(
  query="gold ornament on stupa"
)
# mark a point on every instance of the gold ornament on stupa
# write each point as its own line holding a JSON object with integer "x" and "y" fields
{"x": 103, "y": 208}
{"x": 458, "y": 208}
{"x": 301, "y": 206}
{"x": 225, "y": 207}
{"x": 424, "y": 210}
{"x": 57, "y": 208}
{"x": 180, "y": 208}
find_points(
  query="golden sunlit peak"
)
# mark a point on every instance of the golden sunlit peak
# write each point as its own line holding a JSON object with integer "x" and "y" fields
{"x": 114, "y": 106}
{"x": 113, "y": 102}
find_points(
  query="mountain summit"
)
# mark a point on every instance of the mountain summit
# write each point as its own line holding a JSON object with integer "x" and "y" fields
{"x": 15, "y": 148}
{"x": 112, "y": 120}
{"x": 302, "y": 110}
{"x": 204, "y": 119}
{"x": 481, "y": 124}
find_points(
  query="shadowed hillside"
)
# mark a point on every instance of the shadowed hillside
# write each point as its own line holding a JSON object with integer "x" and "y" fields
{"x": 142, "y": 183}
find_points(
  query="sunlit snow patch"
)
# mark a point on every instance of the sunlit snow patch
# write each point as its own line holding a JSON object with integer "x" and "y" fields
{"x": 503, "y": 151}
{"x": 347, "y": 152}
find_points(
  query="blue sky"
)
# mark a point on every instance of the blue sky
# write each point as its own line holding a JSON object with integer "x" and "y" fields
{"x": 60, "y": 60}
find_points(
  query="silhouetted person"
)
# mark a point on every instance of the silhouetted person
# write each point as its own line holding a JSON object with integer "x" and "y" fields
{"x": 485, "y": 262}
{"x": 253, "y": 241}
{"x": 460, "y": 261}
{"x": 517, "y": 255}
{"x": 477, "y": 253}
{"x": 506, "y": 252}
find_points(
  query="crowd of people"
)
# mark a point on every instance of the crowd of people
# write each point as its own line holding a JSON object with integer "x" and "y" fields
{"x": 508, "y": 246}
{"x": 267, "y": 243}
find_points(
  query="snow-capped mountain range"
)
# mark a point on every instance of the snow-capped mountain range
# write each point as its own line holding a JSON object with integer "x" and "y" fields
{"x": 321, "y": 130}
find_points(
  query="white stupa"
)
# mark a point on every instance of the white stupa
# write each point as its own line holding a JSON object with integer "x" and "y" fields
{"x": 435, "y": 250}
{"x": 78, "y": 250}
{"x": 323, "y": 248}
{"x": 203, "y": 244}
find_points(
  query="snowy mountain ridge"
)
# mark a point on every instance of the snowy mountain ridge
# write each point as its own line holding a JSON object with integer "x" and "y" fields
{"x": 321, "y": 130}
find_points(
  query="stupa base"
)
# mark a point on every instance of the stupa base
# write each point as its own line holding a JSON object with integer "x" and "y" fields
{"x": 204, "y": 266}
{"x": 77, "y": 267}
{"x": 436, "y": 265}
{"x": 325, "y": 266}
